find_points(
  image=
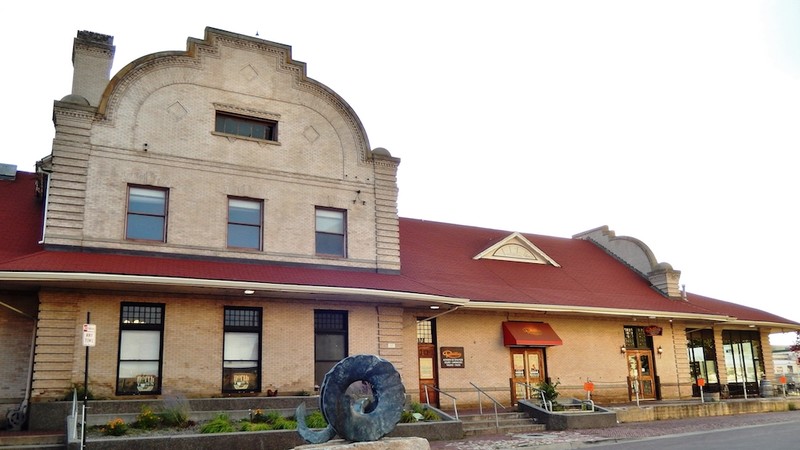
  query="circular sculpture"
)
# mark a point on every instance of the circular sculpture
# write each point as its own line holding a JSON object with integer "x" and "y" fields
{"x": 353, "y": 418}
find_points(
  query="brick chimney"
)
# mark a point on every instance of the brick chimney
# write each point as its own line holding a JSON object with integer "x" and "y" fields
{"x": 92, "y": 57}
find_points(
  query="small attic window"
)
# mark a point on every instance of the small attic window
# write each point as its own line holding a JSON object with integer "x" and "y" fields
{"x": 516, "y": 247}
{"x": 248, "y": 127}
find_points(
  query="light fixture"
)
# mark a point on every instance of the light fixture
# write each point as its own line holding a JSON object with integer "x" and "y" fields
{"x": 249, "y": 292}
{"x": 660, "y": 350}
{"x": 434, "y": 306}
{"x": 622, "y": 349}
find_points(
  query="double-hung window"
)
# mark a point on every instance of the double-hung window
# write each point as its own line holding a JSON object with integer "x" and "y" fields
{"x": 147, "y": 214}
{"x": 244, "y": 223}
{"x": 241, "y": 365}
{"x": 141, "y": 332}
{"x": 331, "y": 231}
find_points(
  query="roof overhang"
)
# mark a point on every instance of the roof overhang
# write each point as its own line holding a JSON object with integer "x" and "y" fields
{"x": 537, "y": 334}
{"x": 78, "y": 280}
{"x": 589, "y": 310}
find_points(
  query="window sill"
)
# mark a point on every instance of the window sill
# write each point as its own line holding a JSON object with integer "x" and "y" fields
{"x": 245, "y": 138}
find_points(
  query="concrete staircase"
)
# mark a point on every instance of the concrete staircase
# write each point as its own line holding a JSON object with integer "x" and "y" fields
{"x": 510, "y": 422}
{"x": 32, "y": 439}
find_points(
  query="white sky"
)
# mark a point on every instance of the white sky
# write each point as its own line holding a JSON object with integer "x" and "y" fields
{"x": 672, "y": 122}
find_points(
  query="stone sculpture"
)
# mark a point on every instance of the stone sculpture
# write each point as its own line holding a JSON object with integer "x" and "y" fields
{"x": 352, "y": 417}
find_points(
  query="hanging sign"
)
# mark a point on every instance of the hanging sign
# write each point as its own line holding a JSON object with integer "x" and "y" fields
{"x": 89, "y": 334}
{"x": 452, "y": 357}
{"x": 653, "y": 330}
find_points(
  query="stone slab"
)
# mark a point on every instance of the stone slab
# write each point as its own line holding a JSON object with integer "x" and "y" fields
{"x": 404, "y": 443}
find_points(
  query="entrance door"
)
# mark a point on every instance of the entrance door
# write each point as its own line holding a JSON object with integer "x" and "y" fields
{"x": 640, "y": 374}
{"x": 427, "y": 373}
{"x": 527, "y": 370}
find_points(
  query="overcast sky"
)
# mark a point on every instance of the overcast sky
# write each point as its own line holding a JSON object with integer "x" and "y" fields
{"x": 672, "y": 122}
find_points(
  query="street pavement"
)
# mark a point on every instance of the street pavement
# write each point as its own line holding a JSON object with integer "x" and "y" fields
{"x": 574, "y": 439}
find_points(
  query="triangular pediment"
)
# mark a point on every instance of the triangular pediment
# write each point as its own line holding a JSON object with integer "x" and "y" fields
{"x": 517, "y": 248}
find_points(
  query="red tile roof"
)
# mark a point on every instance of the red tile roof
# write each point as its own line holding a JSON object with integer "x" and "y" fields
{"x": 20, "y": 216}
{"x": 437, "y": 259}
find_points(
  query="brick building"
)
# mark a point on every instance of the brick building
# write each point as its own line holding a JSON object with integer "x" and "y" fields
{"x": 224, "y": 223}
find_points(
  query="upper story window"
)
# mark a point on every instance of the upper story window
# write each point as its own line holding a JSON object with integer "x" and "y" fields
{"x": 147, "y": 214}
{"x": 331, "y": 232}
{"x": 250, "y": 127}
{"x": 244, "y": 223}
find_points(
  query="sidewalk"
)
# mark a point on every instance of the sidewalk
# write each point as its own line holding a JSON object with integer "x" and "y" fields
{"x": 573, "y": 439}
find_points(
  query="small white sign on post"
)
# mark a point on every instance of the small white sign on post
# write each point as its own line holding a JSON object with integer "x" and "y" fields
{"x": 89, "y": 334}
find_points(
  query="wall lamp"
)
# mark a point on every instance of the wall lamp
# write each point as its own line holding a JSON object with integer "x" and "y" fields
{"x": 660, "y": 350}
{"x": 622, "y": 349}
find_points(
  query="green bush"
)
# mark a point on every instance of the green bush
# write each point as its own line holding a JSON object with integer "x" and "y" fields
{"x": 174, "y": 417}
{"x": 407, "y": 416}
{"x": 147, "y": 419}
{"x": 550, "y": 390}
{"x": 250, "y": 426}
{"x": 284, "y": 424}
{"x": 220, "y": 424}
{"x": 316, "y": 420}
{"x": 430, "y": 415}
{"x": 115, "y": 427}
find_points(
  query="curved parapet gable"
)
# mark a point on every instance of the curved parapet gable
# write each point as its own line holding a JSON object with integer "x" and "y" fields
{"x": 631, "y": 251}
{"x": 167, "y": 94}
{"x": 638, "y": 256}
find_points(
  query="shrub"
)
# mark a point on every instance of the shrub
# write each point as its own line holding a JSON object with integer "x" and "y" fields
{"x": 273, "y": 417}
{"x": 115, "y": 427}
{"x": 257, "y": 416}
{"x": 220, "y": 424}
{"x": 249, "y": 426}
{"x": 316, "y": 420}
{"x": 550, "y": 390}
{"x": 174, "y": 417}
{"x": 407, "y": 416}
{"x": 430, "y": 415}
{"x": 68, "y": 396}
{"x": 284, "y": 424}
{"x": 147, "y": 419}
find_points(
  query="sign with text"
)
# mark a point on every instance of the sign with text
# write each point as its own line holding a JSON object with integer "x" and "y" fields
{"x": 89, "y": 334}
{"x": 653, "y": 330}
{"x": 452, "y": 357}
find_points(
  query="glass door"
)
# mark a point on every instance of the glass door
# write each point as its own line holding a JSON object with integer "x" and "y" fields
{"x": 640, "y": 374}
{"x": 527, "y": 370}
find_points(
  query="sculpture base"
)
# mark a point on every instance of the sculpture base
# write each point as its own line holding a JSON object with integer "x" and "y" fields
{"x": 390, "y": 443}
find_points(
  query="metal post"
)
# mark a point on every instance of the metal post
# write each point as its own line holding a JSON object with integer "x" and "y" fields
{"x": 85, "y": 389}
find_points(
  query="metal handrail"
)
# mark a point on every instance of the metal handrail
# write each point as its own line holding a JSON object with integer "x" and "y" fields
{"x": 428, "y": 400}
{"x": 73, "y": 428}
{"x": 546, "y": 404}
{"x": 480, "y": 404}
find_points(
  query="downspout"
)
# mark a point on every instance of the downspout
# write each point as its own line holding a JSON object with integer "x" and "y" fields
{"x": 440, "y": 314}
